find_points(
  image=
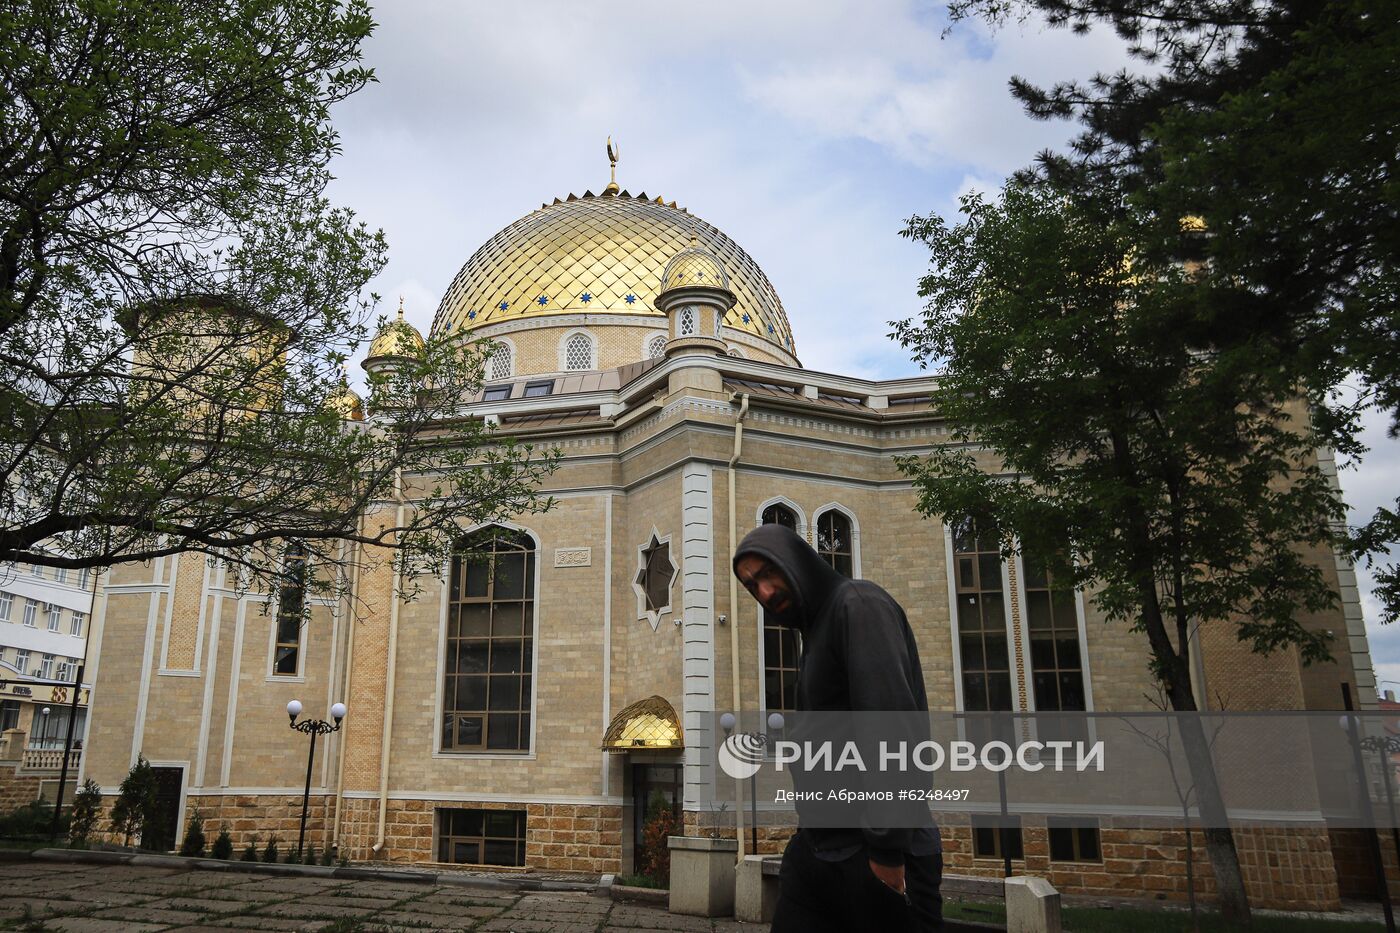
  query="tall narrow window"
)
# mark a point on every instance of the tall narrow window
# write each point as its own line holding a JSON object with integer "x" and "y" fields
{"x": 500, "y": 367}
{"x": 55, "y": 616}
{"x": 685, "y": 327}
{"x": 75, "y": 624}
{"x": 981, "y": 617}
{"x": 834, "y": 541}
{"x": 22, "y": 660}
{"x": 291, "y": 606}
{"x": 578, "y": 352}
{"x": 37, "y": 571}
{"x": 490, "y": 643}
{"x": 46, "y": 667}
{"x": 7, "y": 603}
{"x": 781, "y": 647}
{"x": 31, "y": 612}
{"x": 60, "y": 575}
{"x": 65, "y": 670}
{"x": 1057, "y": 670}
{"x": 83, "y": 576}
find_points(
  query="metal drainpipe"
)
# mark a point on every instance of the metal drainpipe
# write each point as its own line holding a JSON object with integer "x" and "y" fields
{"x": 349, "y": 675}
{"x": 388, "y": 726}
{"x": 734, "y": 595}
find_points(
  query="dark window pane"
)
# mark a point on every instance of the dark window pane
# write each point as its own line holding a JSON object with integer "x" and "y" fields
{"x": 1042, "y": 653}
{"x": 996, "y": 651}
{"x": 969, "y": 613}
{"x": 1038, "y": 609}
{"x": 286, "y": 661}
{"x": 989, "y": 570}
{"x": 503, "y": 731}
{"x": 469, "y": 731}
{"x": 999, "y": 691}
{"x": 507, "y": 619}
{"x": 465, "y": 853}
{"x": 1046, "y": 696}
{"x": 1061, "y": 844}
{"x": 1067, "y": 652}
{"x": 1089, "y": 844}
{"x": 1063, "y": 603}
{"x": 994, "y": 610}
{"x": 476, "y": 620}
{"x": 1071, "y": 690}
{"x": 972, "y": 655}
{"x": 510, "y": 576}
{"x": 505, "y": 694}
{"x": 500, "y": 823}
{"x": 447, "y": 734}
{"x": 843, "y": 565}
{"x": 967, "y": 579}
{"x": 289, "y": 628}
{"x": 471, "y": 693}
{"x": 772, "y": 647}
{"x": 789, "y": 693}
{"x": 499, "y": 852}
{"x": 477, "y": 575}
{"x": 975, "y": 691}
{"x": 473, "y": 822}
{"x": 472, "y": 656}
{"x": 984, "y": 842}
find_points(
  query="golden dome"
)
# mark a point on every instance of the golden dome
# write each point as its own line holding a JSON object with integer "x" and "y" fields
{"x": 346, "y": 402}
{"x": 601, "y": 255}
{"x": 694, "y": 266}
{"x": 397, "y": 338}
{"x": 646, "y": 724}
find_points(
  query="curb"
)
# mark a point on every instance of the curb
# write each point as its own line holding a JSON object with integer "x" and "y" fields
{"x": 656, "y": 896}
{"x": 356, "y": 873}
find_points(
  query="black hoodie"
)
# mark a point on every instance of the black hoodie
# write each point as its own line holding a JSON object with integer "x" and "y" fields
{"x": 858, "y": 654}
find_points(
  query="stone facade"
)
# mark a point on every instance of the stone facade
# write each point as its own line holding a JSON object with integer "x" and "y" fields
{"x": 186, "y": 675}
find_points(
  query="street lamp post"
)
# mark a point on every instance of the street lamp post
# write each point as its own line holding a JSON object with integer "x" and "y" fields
{"x": 775, "y": 724}
{"x": 313, "y": 728}
{"x": 43, "y": 726}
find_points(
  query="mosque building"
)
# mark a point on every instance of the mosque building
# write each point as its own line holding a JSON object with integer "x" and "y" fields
{"x": 526, "y": 717}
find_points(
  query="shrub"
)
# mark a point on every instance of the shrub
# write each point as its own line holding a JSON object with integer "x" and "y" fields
{"x": 310, "y": 855}
{"x": 136, "y": 804}
{"x": 656, "y": 854}
{"x": 270, "y": 851}
{"x": 83, "y": 818}
{"x": 250, "y": 851}
{"x": 193, "y": 846}
{"x": 223, "y": 845}
{"x": 328, "y": 857}
{"x": 30, "y": 821}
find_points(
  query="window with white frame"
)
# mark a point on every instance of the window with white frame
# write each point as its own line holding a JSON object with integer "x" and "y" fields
{"x": 502, "y": 361}
{"x": 685, "y": 327}
{"x": 981, "y": 616}
{"x": 578, "y": 352}
{"x": 65, "y": 669}
{"x": 834, "y": 541}
{"x": 22, "y": 660}
{"x": 55, "y": 614}
{"x": 291, "y": 604}
{"x": 60, "y": 575}
{"x": 75, "y": 624}
{"x": 656, "y": 347}
{"x": 782, "y": 648}
{"x": 31, "y": 611}
{"x": 83, "y": 578}
{"x": 7, "y": 602}
{"x": 46, "y": 667}
{"x": 37, "y": 570}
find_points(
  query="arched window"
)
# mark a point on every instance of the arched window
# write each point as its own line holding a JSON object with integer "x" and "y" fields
{"x": 656, "y": 347}
{"x": 490, "y": 643}
{"x": 685, "y": 327}
{"x": 578, "y": 352}
{"x": 781, "y": 647}
{"x": 834, "y": 541}
{"x": 502, "y": 361}
{"x": 981, "y": 616}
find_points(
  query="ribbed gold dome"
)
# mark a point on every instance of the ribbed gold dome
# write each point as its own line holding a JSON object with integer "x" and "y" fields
{"x": 397, "y": 338}
{"x": 601, "y": 255}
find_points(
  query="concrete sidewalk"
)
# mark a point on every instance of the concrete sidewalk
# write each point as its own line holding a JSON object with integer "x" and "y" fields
{"x": 79, "y": 897}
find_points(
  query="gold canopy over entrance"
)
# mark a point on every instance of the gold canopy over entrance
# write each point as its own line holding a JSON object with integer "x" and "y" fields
{"x": 646, "y": 725}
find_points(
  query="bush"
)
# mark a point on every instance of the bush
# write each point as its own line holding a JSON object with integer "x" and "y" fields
{"x": 250, "y": 851}
{"x": 193, "y": 846}
{"x": 328, "y": 857}
{"x": 83, "y": 818}
{"x": 31, "y": 821}
{"x": 136, "y": 805}
{"x": 656, "y": 854}
{"x": 223, "y": 845}
{"x": 310, "y": 855}
{"x": 270, "y": 851}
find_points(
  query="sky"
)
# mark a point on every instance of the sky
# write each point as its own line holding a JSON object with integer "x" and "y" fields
{"x": 808, "y": 131}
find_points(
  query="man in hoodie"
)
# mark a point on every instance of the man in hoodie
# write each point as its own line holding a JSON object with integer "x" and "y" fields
{"x": 858, "y": 655}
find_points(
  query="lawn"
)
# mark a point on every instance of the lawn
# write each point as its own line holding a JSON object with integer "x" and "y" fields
{"x": 1100, "y": 920}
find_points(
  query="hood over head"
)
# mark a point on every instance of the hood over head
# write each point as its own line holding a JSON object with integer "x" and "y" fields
{"x": 811, "y": 578}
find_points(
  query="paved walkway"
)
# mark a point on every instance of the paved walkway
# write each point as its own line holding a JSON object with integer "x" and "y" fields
{"x": 79, "y": 898}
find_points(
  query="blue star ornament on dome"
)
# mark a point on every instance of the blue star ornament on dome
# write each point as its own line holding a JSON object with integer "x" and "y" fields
{"x": 770, "y": 329}
{"x": 471, "y": 315}
{"x": 630, "y": 298}
{"x": 747, "y": 319}
{"x": 585, "y": 298}
{"x": 504, "y": 306}
{"x": 542, "y": 300}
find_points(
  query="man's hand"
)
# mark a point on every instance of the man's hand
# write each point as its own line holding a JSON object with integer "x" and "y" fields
{"x": 891, "y": 875}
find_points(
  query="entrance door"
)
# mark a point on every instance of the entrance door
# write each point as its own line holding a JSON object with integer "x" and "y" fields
{"x": 659, "y": 785}
{"x": 164, "y": 831}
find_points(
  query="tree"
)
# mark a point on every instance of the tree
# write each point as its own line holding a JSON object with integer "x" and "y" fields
{"x": 87, "y": 803}
{"x": 1274, "y": 122}
{"x": 193, "y": 844}
{"x": 177, "y": 299}
{"x": 136, "y": 806}
{"x": 1172, "y": 478}
{"x": 223, "y": 845}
